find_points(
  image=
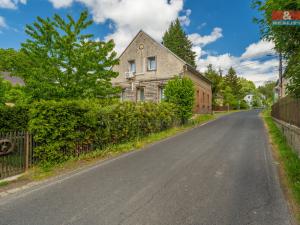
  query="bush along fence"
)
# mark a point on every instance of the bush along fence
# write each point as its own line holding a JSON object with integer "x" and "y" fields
{"x": 286, "y": 114}
{"x": 64, "y": 129}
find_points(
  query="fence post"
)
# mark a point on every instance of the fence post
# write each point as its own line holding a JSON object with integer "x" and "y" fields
{"x": 27, "y": 149}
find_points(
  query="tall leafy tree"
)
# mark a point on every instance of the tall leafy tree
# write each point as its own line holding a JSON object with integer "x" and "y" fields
{"x": 65, "y": 62}
{"x": 229, "y": 98}
{"x": 232, "y": 80}
{"x": 217, "y": 82}
{"x": 177, "y": 41}
{"x": 247, "y": 87}
{"x": 286, "y": 38}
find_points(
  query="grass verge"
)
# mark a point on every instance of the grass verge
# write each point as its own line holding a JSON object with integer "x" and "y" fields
{"x": 38, "y": 173}
{"x": 3, "y": 183}
{"x": 289, "y": 162}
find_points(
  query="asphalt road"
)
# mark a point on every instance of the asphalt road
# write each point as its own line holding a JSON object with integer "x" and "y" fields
{"x": 219, "y": 173}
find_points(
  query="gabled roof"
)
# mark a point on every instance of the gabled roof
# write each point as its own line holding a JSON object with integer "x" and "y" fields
{"x": 189, "y": 66}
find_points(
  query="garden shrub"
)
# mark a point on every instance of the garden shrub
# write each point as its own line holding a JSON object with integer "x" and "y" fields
{"x": 58, "y": 126}
{"x": 181, "y": 92}
{"x": 13, "y": 118}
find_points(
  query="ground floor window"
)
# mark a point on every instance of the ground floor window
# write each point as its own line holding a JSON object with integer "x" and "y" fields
{"x": 161, "y": 91}
{"x": 140, "y": 94}
{"x": 123, "y": 95}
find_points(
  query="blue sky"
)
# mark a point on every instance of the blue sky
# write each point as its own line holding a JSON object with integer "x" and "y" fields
{"x": 223, "y": 34}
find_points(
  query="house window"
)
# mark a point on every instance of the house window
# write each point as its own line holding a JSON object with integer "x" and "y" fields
{"x": 161, "y": 93}
{"x": 203, "y": 99}
{"x": 132, "y": 66}
{"x": 151, "y": 63}
{"x": 141, "y": 94}
{"x": 198, "y": 98}
{"x": 208, "y": 101}
{"x": 123, "y": 95}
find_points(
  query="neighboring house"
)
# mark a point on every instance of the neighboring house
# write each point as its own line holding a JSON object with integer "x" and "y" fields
{"x": 12, "y": 79}
{"x": 280, "y": 90}
{"x": 249, "y": 99}
{"x": 145, "y": 68}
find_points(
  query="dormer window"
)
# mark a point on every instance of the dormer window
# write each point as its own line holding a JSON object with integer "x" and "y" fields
{"x": 132, "y": 66}
{"x": 151, "y": 63}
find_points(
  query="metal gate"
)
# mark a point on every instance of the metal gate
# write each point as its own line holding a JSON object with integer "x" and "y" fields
{"x": 15, "y": 153}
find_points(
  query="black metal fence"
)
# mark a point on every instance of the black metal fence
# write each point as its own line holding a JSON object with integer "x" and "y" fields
{"x": 16, "y": 152}
{"x": 287, "y": 109}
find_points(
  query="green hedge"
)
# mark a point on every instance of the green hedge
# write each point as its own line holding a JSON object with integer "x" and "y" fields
{"x": 58, "y": 126}
{"x": 13, "y": 118}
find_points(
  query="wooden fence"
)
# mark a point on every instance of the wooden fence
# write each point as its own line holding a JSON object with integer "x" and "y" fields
{"x": 288, "y": 110}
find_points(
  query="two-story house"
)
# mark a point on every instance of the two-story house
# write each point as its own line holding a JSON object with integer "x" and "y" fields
{"x": 145, "y": 68}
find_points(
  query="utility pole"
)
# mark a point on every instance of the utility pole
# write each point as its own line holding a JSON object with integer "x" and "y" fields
{"x": 280, "y": 75}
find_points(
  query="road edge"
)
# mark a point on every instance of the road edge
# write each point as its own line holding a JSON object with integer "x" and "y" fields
{"x": 281, "y": 174}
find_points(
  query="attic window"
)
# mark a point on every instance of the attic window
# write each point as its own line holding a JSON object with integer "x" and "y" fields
{"x": 132, "y": 67}
{"x": 151, "y": 63}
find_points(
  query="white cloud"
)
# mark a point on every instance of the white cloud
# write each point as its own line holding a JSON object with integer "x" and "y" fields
{"x": 129, "y": 16}
{"x": 257, "y": 71}
{"x": 11, "y": 4}
{"x": 199, "y": 40}
{"x": 185, "y": 19}
{"x": 61, "y": 3}
{"x": 2, "y": 22}
{"x": 260, "y": 48}
{"x": 199, "y": 27}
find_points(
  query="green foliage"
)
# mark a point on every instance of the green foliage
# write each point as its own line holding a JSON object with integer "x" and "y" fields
{"x": 229, "y": 98}
{"x": 247, "y": 87}
{"x": 17, "y": 96}
{"x": 177, "y": 41}
{"x": 232, "y": 81}
{"x": 217, "y": 83}
{"x": 293, "y": 74}
{"x": 13, "y": 118}
{"x": 58, "y": 126}
{"x": 13, "y": 61}
{"x": 257, "y": 100}
{"x": 244, "y": 105}
{"x": 181, "y": 92}
{"x": 267, "y": 90}
{"x": 286, "y": 38}
{"x": 4, "y": 87}
{"x": 65, "y": 62}
{"x": 12, "y": 94}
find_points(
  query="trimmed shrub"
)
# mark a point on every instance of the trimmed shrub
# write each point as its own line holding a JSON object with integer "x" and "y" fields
{"x": 181, "y": 92}
{"x": 58, "y": 126}
{"x": 13, "y": 118}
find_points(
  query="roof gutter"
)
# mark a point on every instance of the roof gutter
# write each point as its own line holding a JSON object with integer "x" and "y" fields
{"x": 193, "y": 70}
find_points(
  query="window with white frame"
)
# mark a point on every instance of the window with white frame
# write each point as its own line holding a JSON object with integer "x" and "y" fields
{"x": 151, "y": 63}
{"x": 132, "y": 66}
